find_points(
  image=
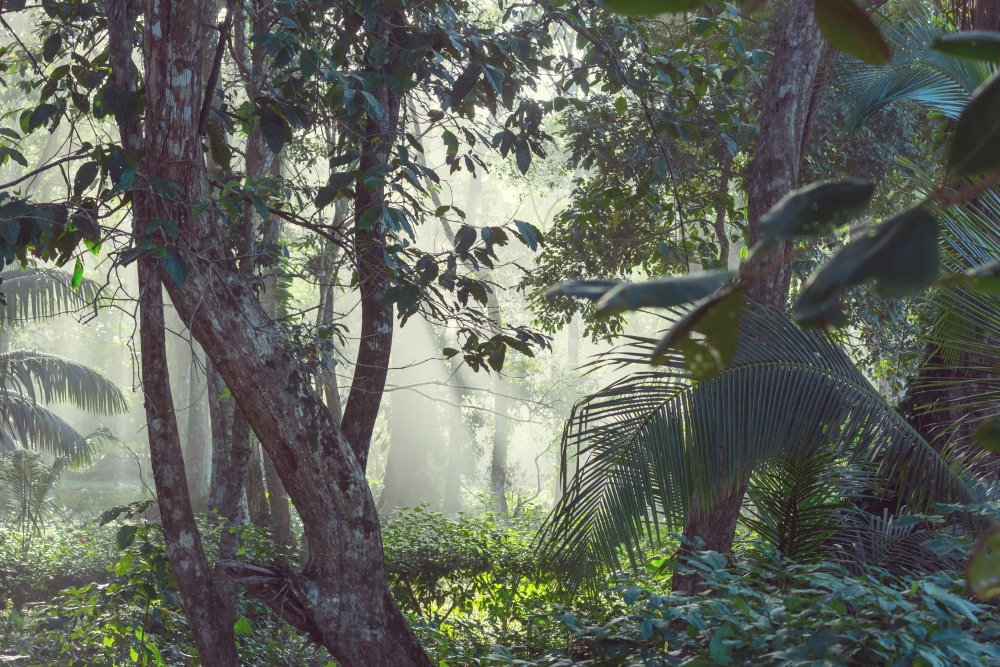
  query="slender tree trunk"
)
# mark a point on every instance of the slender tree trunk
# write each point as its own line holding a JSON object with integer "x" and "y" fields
{"x": 458, "y": 434}
{"x": 257, "y": 504}
{"x": 377, "y": 323}
{"x": 230, "y": 456}
{"x": 202, "y": 602}
{"x": 501, "y": 436}
{"x": 775, "y": 172}
{"x": 783, "y": 122}
{"x": 198, "y": 440}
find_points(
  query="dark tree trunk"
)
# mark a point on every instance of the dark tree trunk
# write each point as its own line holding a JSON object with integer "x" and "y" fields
{"x": 213, "y": 634}
{"x": 257, "y": 504}
{"x": 230, "y": 456}
{"x": 775, "y": 172}
{"x": 716, "y": 526}
{"x": 375, "y": 344}
{"x": 783, "y": 122}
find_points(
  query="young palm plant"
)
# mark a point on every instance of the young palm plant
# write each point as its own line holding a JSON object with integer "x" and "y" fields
{"x": 647, "y": 445}
{"x": 31, "y": 380}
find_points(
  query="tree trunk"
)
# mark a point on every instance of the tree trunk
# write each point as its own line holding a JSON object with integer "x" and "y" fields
{"x": 340, "y": 598}
{"x": 407, "y": 482}
{"x": 775, "y": 172}
{"x": 458, "y": 434}
{"x": 375, "y": 344}
{"x": 196, "y": 458}
{"x": 783, "y": 122}
{"x": 257, "y": 504}
{"x": 716, "y": 526}
{"x": 201, "y": 600}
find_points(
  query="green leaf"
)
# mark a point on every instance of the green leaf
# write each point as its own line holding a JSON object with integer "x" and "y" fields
{"x": 972, "y": 45}
{"x": 654, "y": 7}
{"x": 51, "y": 46}
{"x": 464, "y": 238}
{"x": 849, "y": 29}
{"x": 522, "y": 154}
{"x": 175, "y": 266}
{"x": 975, "y": 144}
{"x": 308, "y": 62}
{"x": 987, "y": 434}
{"x": 85, "y": 175}
{"x": 222, "y": 154}
{"x": 900, "y": 256}
{"x": 983, "y": 573}
{"x": 125, "y": 536}
{"x": 369, "y": 217}
{"x": 123, "y": 564}
{"x": 77, "y": 274}
{"x": 16, "y": 156}
{"x": 718, "y": 321}
{"x": 621, "y": 106}
{"x": 39, "y": 115}
{"x": 528, "y": 234}
{"x": 242, "y": 627}
{"x": 450, "y": 141}
{"x": 168, "y": 226}
{"x": 814, "y": 211}
{"x": 592, "y": 290}
{"x": 661, "y": 293}
{"x": 465, "y": 82}
{"x": 275, "y": 130}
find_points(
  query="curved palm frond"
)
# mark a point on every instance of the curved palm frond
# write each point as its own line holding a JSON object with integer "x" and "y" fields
{"x": 26, "y": 424}
{"x": 916, "y": 73}
{"x": 40, "y": 293}
{"x": 646, "y": 444}
{"x": 52, "y": 379}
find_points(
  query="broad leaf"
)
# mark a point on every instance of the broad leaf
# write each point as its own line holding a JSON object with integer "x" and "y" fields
{"x": 662, "y": 293}
{"x": 464, "y": 238}
{"x": 983, "y": 573}
{"x": 972, "y": 45}
{"x": 592, "y": 290}
{"x": 987, "y": 435}
{"x": 51, "y": 46}
{"x": 125, "y": 536}
{"x": 275, "y": 130}
{"x": 815, "y": 211}
{"x": 718, "y": 321}
{"x": 465, "y": 82}
{"x": 900, "y": 256}
{"x": 528, "y": 234}
{"x": 849, "y": 29}
{"x": 85, "y": 175}
{"x": 175, "y": 266}
{"x": 975, "y": 144}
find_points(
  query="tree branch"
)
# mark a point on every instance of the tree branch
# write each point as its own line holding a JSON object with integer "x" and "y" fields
{"x": 213, "y": 77}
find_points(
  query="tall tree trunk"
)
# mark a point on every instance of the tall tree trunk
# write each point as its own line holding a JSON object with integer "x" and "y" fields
{"x": 230, "y": 456}
{"x": 774, "y": 173}
{"x": 375, "y": 345}
{"x": 458, "y": 434}
{"x": 783, "y": 121}
{"x": 257, "y": 504}
{"x": 340, "y": 598}
{"x": 201, "y": 600}
{"x": 196, "y": 458}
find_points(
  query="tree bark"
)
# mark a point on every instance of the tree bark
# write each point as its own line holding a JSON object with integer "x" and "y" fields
{"x": 197, "y": 456}
{"x": 715, "y": 524}
{"x": 377, "y": 323}
{"x": 201, "y": 600}
{"x": 775, "y": 172}
{"x": 783, "y": 122}
{"x": 340, "y": 598}
{"x": 230, "y": 456}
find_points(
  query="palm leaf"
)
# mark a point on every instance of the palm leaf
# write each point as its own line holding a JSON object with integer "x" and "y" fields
{"x": 39, "y": 293}
{"x": 51, "y": 379}
{"x": 27, "y": 424}
{"x": 915, "y": 74}
{"x": 646, "y": 444}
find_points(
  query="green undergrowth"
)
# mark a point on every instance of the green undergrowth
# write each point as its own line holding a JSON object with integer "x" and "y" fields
{"x": 476, "y": 595}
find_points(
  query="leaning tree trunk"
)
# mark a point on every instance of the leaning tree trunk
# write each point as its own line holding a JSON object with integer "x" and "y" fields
{"x": 341, "y": 598}
{"x": 202, "y": 604}
{"x": 775, "y": 172}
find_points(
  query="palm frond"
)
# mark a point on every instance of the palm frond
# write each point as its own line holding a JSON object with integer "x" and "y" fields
{"x": 27, "y": 424}
{"x": 865, "y": 541}
{"x": 646, "y": 444}
{"x": 39, "y": 293}
{"x": 916, "y": 74}
{"x": 52, "y": 379}
{"x": 793, "y": 502}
